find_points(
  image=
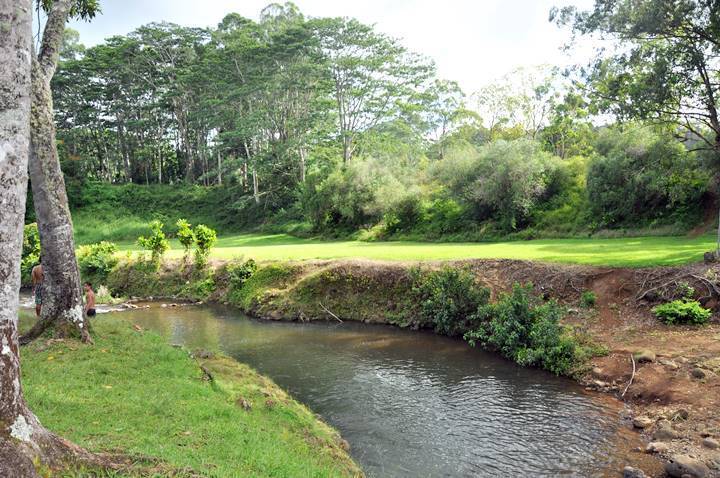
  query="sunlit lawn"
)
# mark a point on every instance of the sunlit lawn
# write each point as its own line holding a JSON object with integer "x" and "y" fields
{"x": 629, "y": 252}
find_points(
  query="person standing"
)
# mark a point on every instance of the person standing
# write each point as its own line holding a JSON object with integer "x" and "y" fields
{"x": 37, "y": 276}
{"x": 89, "y": 300}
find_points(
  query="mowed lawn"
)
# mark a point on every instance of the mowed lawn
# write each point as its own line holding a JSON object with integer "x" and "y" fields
{"x": 623, "y": 252}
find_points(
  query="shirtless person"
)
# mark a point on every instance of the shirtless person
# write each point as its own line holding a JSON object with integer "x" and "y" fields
{"x": 37, "y": 277}
{"x": 89, "y": 300}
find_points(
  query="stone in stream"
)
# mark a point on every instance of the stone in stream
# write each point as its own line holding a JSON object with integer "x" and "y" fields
{"x": 630, "y": 472}
{"x": 711, "y": 443}
{"x": 645, "y": 356}
{"x": 681, "y": 466}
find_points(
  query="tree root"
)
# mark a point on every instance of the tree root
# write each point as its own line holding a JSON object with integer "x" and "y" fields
{"x": 61, "y": 329}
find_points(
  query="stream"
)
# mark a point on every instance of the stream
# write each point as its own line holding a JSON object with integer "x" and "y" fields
{"x": 414, "y": 404}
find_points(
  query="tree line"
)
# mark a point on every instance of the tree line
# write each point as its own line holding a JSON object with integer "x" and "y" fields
{"x": 330, "y": 122}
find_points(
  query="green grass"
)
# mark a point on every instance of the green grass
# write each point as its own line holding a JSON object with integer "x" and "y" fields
{"x": 621, "y": 252}
{"x": 133, "y": 393}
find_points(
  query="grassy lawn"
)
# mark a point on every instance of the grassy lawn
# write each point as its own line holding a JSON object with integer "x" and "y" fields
{"x": 133, "y": 393}
{"x": 623, "y": 252}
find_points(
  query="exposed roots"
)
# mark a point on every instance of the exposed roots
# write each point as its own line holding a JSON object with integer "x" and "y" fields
{"x": 61, "y": 329}
{"x": 669, "y": 284}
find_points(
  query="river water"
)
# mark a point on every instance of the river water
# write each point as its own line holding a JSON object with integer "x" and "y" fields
{"x": 413, "y": 404}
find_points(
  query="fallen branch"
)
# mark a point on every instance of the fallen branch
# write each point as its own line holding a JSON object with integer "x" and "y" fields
{"x": 328, "y": 311}
{"x": 631, "y": 377}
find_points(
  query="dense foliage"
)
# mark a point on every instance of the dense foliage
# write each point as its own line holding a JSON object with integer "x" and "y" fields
{"x": 96, "y": 261}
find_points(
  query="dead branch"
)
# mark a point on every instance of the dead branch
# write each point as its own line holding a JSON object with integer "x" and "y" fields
{"x": 631, "y": 377}
{"x": 328, "y": 311}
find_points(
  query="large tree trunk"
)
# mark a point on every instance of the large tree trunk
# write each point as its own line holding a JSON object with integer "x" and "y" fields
{"x": 23, "y": 441}
{"x": 62, "y": 308}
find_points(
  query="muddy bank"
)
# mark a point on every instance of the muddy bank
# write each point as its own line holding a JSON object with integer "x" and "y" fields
{"x": 672, "y": 396}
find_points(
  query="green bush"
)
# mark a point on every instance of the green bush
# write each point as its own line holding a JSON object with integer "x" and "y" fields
{"x": 205, "y": 239}
{"x": 240, "y": 272}
{"x": 96, "y": 261}
{"x": 527, "y": 330}
{"x": 30, "y": 251}
{"x": 185, "y": 235}
{"x": 156, "y": 242}
{"x": 448, "y": 298}
{"x": 682, "y": 311}
{"x": 588, "y": 299}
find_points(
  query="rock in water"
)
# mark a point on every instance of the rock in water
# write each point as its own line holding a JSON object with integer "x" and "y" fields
{"x": 630, "y": 472}
{"x": 680, "y": 466}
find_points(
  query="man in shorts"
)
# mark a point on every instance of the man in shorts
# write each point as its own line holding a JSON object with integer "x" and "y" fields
{"x": 37, "y": 276}
{"x": 89, "y": 300}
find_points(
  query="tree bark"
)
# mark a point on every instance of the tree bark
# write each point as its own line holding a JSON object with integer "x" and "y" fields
{"x": 62, "y": 308}
{"x": 23, "y": 440}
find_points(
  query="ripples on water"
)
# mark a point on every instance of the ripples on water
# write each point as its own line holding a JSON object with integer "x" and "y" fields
{"x": 413, "y": 404}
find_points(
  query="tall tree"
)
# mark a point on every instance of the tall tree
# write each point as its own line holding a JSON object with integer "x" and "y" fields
{"x": 24, "y": 442}
{"x": 372, "y": 75}
{"x": 665, "y": 63}
{"x": 62, "y": 307}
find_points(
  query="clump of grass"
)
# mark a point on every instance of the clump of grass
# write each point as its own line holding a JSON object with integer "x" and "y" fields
{"x": 588, "y": 299}
{"x": 135, "y": 394}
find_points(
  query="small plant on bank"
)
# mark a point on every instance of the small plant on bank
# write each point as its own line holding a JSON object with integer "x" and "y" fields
{"x": 588, "y": 299}
{"x": 186, "y": 236}
{"x": 96, "y": 261}
{"x": 524, "y": 328}
{"x": 685, "y": 290}
{"x": 447, "y": 298}
{"x": 240, "y": 272}
{"x": 205, "y": 239}
{"x": 684, "y": 311}
{"x": 156, "y": 242}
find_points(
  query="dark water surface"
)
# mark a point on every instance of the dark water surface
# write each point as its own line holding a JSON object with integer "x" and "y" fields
{"x": 414, "y": 404}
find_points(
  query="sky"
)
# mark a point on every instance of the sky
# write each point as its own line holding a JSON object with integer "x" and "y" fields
{"x": 473, "y": 42}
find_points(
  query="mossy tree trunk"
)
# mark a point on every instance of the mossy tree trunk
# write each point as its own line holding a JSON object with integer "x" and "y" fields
{"x": 62, "y": 309}
{"x": 23, "y": 440}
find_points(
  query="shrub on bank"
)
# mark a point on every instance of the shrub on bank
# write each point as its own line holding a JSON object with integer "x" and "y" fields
{"x": 448, "y": 298}
{"x": 96, "y": 261}
{"x": 185, "y": 235}
{"x": 523, "y": 328}
{"x": 156, "y": 242}
{"x": 685, "y": 311}
{"x": 205, "y": 239}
